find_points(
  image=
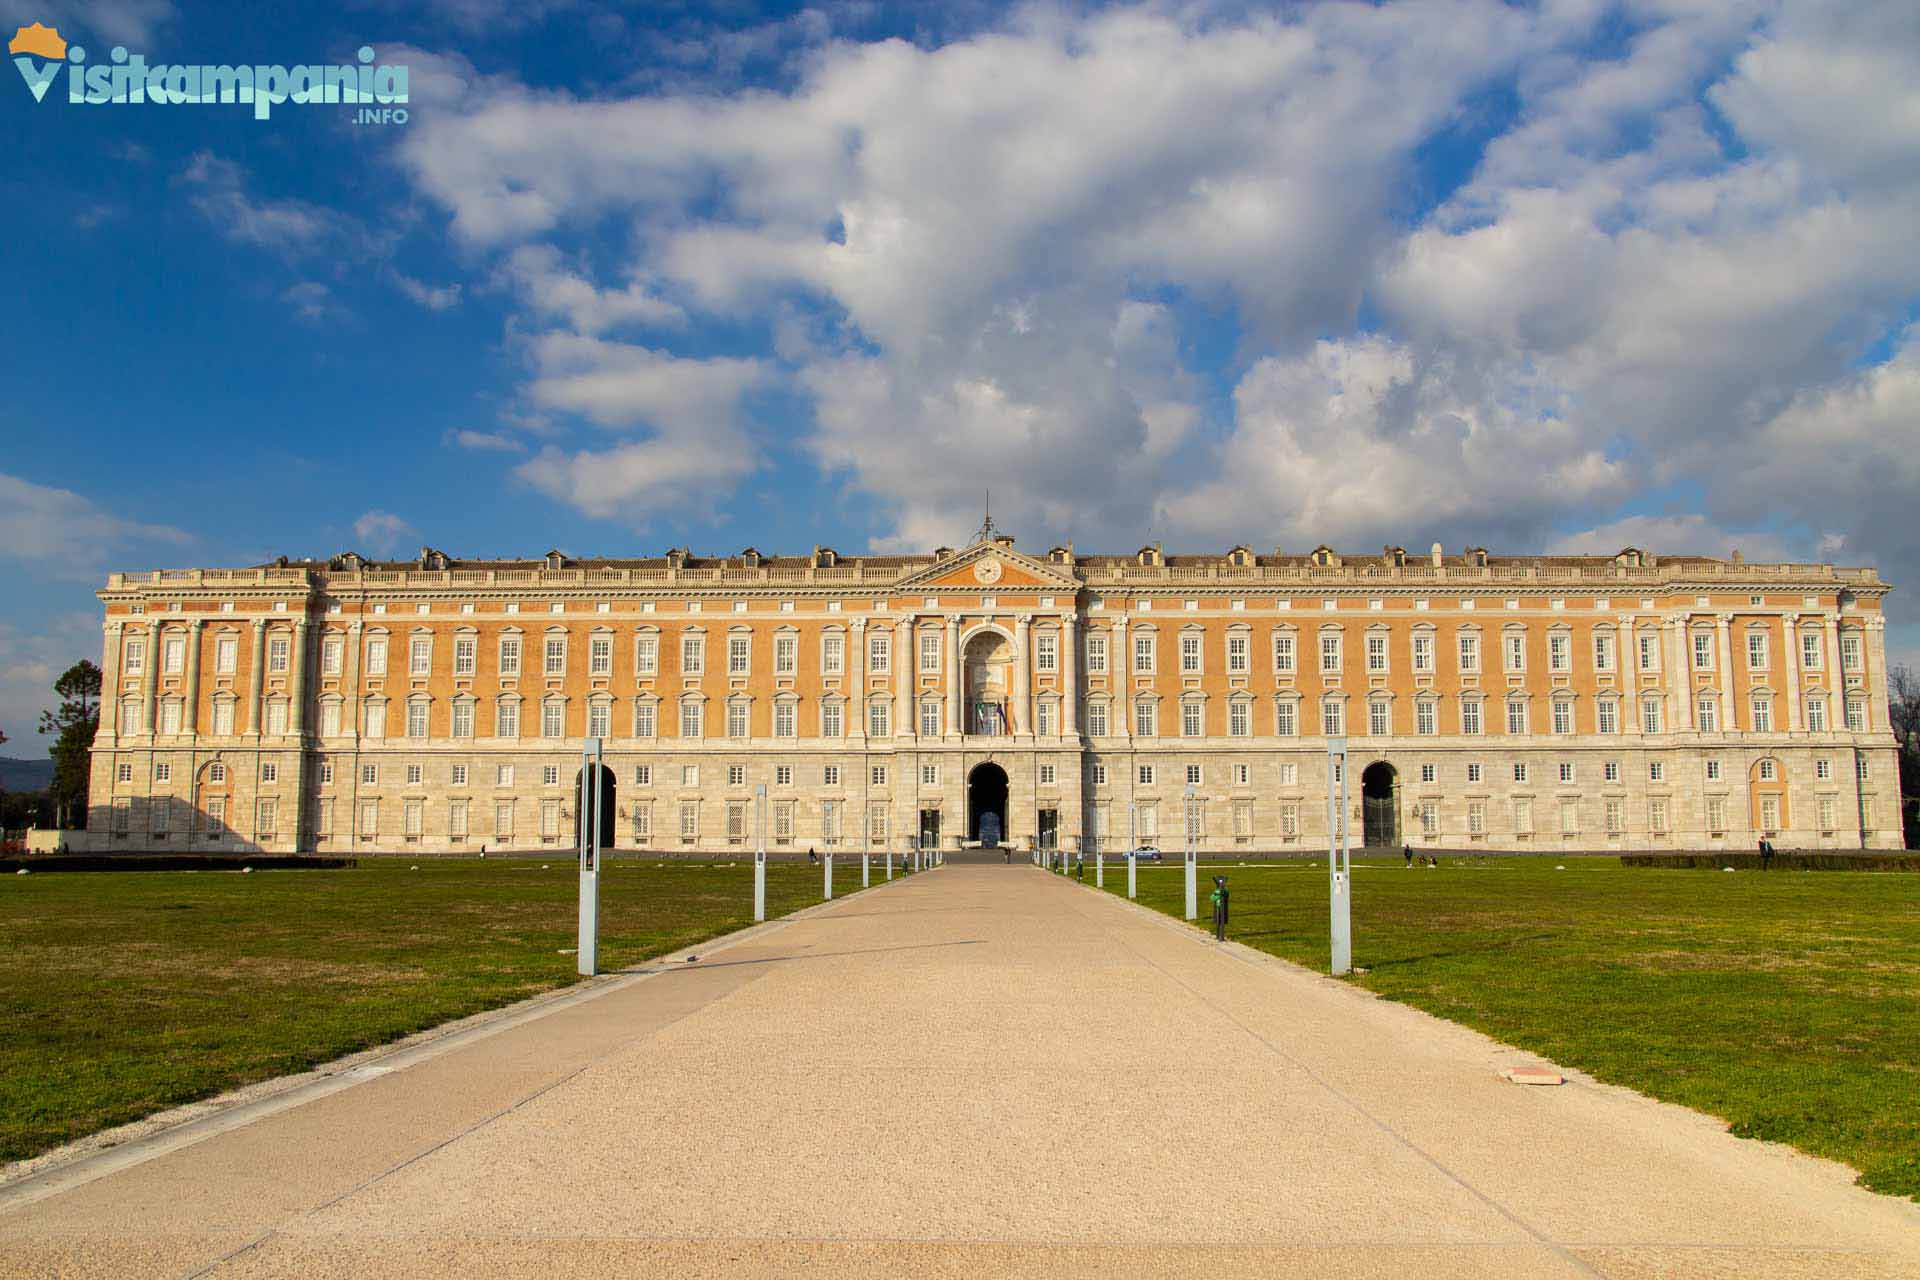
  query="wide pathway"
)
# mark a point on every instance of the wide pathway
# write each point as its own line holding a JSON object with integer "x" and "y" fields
{"x": 981, "y": 1071}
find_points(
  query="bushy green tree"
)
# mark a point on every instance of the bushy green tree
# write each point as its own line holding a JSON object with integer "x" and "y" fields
{"x": 74, "y": 724}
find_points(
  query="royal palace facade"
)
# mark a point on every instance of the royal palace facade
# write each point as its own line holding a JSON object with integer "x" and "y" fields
{"x": 1539, "y": 703}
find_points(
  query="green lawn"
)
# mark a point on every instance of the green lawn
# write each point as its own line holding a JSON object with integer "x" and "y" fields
{"x": 129, "y": 992}
{"x": 1787, "y": 1003}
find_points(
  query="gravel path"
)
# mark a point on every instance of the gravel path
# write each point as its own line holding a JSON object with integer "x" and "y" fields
{"x": 981, "y": 1071}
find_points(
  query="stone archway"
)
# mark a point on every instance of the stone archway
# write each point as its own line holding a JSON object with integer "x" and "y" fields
{"x": 987, "y": 803}
{"x": 1380, "y": 806}
{"x": 987, "y": 666}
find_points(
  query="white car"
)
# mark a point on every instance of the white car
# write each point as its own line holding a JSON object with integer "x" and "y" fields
{"x": 1146, "y": 853}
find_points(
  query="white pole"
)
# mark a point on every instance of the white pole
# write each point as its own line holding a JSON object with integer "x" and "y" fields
{"x": 760, "y": 852}
{"x": 889, "y": 864}
{"x": 587, "y": 947}
{"x": 1339, "y": 859}
{"x": 1099, "y": 869}
{"x": 866, "y": 870}
{"x": 1193, "y": 857}
{"x": 828, "y": 862}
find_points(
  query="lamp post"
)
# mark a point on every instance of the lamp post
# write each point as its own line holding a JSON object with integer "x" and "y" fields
{"x": 1133, "y": 848}
{"x": 760, "y": 852}
{"x": 1339, "y": 858}
{"x": 589, "y": 943}
{"x": 1193, "y": 856}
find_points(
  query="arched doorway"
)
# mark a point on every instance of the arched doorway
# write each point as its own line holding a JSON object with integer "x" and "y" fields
{"x": 987, "y": 665}
{"x": 1380, "y": 806}
{"x": 987, "y": 804}
{"x": 609, "y": 811}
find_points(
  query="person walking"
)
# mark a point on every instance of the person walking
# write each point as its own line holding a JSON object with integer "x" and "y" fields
{"x": 1766, "y": 855}
{"x": 1408, "y": 851}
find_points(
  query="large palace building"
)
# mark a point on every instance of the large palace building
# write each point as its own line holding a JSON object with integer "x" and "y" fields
{"x": 1536, "y": 703}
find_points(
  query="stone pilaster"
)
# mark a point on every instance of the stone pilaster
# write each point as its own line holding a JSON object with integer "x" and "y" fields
{"x": 1723, "y": 640}
{"x": 954, "y": 669}
{"x": 1022, "y": 682}
{"x": 190, "y": 720}
{"x": 256, "y": 678}
{"x": 1790, "y": 666}
{"x": 1069, "y": 677}
{"x": 110, "y": 649}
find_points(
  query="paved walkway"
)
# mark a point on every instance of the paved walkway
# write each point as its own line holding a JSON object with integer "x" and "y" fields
{"x": 977, "y": 1072}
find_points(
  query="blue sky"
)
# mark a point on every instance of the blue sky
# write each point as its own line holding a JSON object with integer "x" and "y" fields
{"x": 1561, "y": 276}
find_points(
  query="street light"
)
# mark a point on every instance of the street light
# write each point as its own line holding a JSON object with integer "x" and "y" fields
{"x": 1193, "y": 856}
{"x": 1339, "y": 858}
{"x": 589, "y": 826}
{"x": 760, "y": 852}
{"x": 1133, "y": 848}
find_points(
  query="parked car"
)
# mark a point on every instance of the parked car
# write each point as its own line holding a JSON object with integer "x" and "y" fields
{"x": 1146, "y": 853}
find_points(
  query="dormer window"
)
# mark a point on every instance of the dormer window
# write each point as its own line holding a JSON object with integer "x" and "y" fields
{"x": 1395, "y": 556}
{"x": 1149, "y": 556}
{"x": 677, "y": 557}
{"x": 750, "y": 558}
{"x": 825, "y": 557}
{"x": 554, "y": 560}
{"x": 1322, "y": 557}
{"x": 1477, "y": 557}
{"x": 1240, "y": 557}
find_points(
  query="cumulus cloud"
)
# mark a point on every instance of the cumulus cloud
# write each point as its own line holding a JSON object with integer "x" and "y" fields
{"x": 217, "y": 188}
{"x": 1691, "y": 533}
{"x": 382, "y": 532}
{"x": 432, "y": 297}
{"x": 67, "y": 535}
{"x": 485, "y": 441}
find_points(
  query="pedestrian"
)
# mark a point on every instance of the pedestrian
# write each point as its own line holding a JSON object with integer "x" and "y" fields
{"x": 813, "y": 859}
{"x": 1766, "y": 854}
{"x": 1408, "y": 851}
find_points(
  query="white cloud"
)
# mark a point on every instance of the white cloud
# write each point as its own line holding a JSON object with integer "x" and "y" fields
{"x": 553, "y": 291}
{"x": 432, "y": 297}
{"x": 218, "y": 189}
{"x": 104, "y": 23}
{"x": 30, "y": 661}
{"x": 312, "y": 301}
{"x": 66, "y": 535}
{"x": 485, "y": 441}
{"x": 382, "y": 532}
{"x": 1691, "y": 534}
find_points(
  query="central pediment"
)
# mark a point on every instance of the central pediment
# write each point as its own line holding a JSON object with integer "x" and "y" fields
{"x": 989, "y": 566}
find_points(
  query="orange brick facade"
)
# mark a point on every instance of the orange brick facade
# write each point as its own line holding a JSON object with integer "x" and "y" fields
{"x": 1621, "y": 702}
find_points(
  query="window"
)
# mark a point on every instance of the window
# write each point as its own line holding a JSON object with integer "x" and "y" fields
{"x": 736, "y": 820}
{"x": 830, "y": 776}
{"x": 1516, "y": 650}
{"x": 1330, "y": 651}
{"x": 645, "y": 719}
{"x": 1756, "y": 650}
{"x": 877, "y": 823}
{"x": 124, "y": 772}
{"x": 737, "y": 719}
{"x": 1713, "y": 771}
{"x": 1520, "y": 771}
{"x": 1657, "y": 816}
{"x": 1193, "y": 775}
{"x": 1099, "y": 775}
{"x": 1850, "y": 651}
{"x": 1603, "y": 650}
{"x": 1707, "y": 712}
{"x": 1379, "y": 718}
{"x": 1239, "y": 718}
{"x": 1823, "y": 769}
{"x": 1189, "y": 653}
{"x": 1470, "y": 717}
{"x": 1569, "y": 817}
{"x": 786, "y": 654}
{"x": 1761, "y": 709}
{"x": 279, "y": 651}
{"x": 877, "y": 775}
{"x": 930, "y": 651}
{"x": 1817, "y": 715}
{"x": 1046, "y": 652}
{"x": 503, "y": 819}
{"x": 880, "y": 653}
{"x": 457, "y": 819}
{"x": 1607, "y": 715}
{"x": 464, "y": 648}
{"x": 1703, "y": 651}
{"x": 556, "y": 656}
{"x": 1566, "y": 772}
{"x": 1242, "y": 775}
{"x": 1650, "y": 715}
{"x": 689, "y": 775}
{"x": 1616, "y": 811}
{"x": 689, "y": 821}
{"x": 879, "y": 717}
{"x": 1428, "y": 772}
{"x": 510, "y": 655}
{"x": 1426, "y": 719}
{"x": 1242, "y": 821}
{"x": 1333, "y": 717}
{"x": 1559, "y": 648}
{"x": 1290, "y": 820}
{"x": 369, "y": 819}
{"x": 1476, "y": 817}
{"x": 1656, "y": 771}
{"x": 783, "y": 719}
{"x": 277, "y": 717}
{"x": 1143, "y": 653}
{"x": 1144, "y": 716}
{"x": 268, "y": 820}
{"x": 503, "y": 775}
{"x": 226, "y": 655}
{"x": 739, "y": 651}
{"x": 1563, "y": 716}
{"x": 506, "y": 718}
{"x": 1376, "y": 651}
{"x": 463, "y": 720}
{"x": 1096, "y": 653}
{"x": 783, "y": 820}
{"x": 1717, "y": 815}
{"x": 1469, "y": 651}
{"x": 830, "y": 821}
{"x": 690, "y": 719}
{"x": 1649, "y": 650}
{"x": 1044, "y": 714}
{"x": 173, "y": 655}
{"x": 1810, "y": 650}
{"x": 419, "y": 656}
{"x": 1237, "y": 653}
{"x": 1286, "y": 718}
{"x": 599, "y": 719}
{"x": 1423, "y": 651}
{"x": 550, "y": 775}
{"x": 736, "y": 775}
{"x": 1429, "y": 818}
{"x": 415, "y": 775}
{"x": 553, "y": 716}
{"x": 1610, "y": 771}
{"x": 1856, "y": 715}
{"x": 170, "y": 716}
{"x": 832, "y": 719}
{"x": 1047, "y": 775}
{"x": 600, "y": 656}
{"x": 1522, "y": 816}
{"x": 1097, "y": 719}
{"x": 1145, "y": 775}
{"x": 1769, "y": 771}
{"x": 1283, "y": 656}
{"x": 1828, "y": 810}
{"x": 646, "y": 654}
{"x": 1860, "y": 769}
{"x": 693, "y": 654}
{"x": 930, "y": 775}
{"x": 1191, "y": 719}
{"x": 833, "y": 654}
{"x": 136, "y": 658}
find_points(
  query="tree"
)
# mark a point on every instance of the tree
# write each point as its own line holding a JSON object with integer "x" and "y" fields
{"x": 1903, "y": 708}
{"x": 74, "y": 722}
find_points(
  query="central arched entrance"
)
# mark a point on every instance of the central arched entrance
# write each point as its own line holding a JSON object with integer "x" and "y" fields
{"x": 608, "y": 809}
{"x": 987, "y": 804}
{"x": 1380, "y": 806}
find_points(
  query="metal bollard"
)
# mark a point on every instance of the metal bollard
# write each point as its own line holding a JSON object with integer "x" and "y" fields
{"x": 1219, "y": 908}
{"x": 1099, "y": 870}
{"x": 828, "y": 861}
{"x": 866, "y": 868}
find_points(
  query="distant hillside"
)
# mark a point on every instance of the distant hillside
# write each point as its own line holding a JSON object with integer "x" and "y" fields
{"x": 25, "y": 775}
